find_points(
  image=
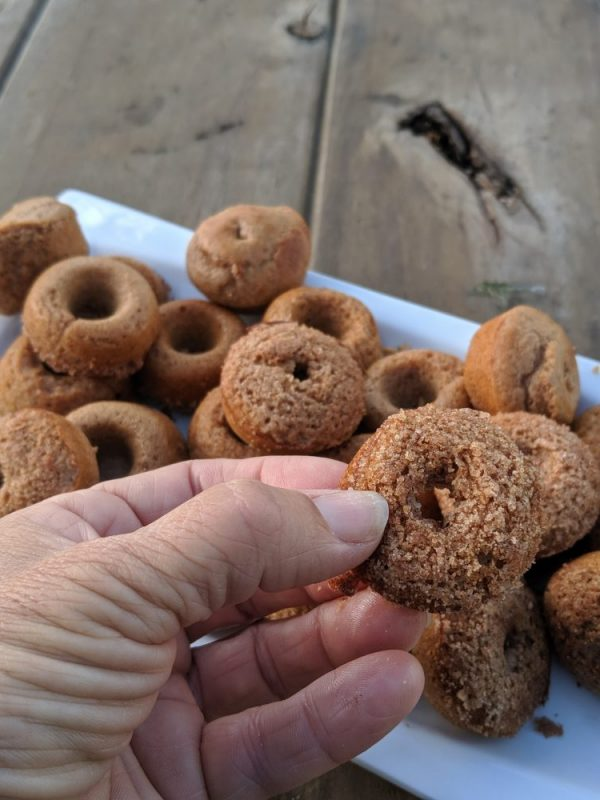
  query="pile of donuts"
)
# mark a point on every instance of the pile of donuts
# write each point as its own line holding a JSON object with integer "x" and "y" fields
{"x": 484, "y": 465}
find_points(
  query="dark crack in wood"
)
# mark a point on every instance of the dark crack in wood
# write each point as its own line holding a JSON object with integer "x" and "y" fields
{"x": 450, "y": 138}
{"x": 305, "y": 28}
{"x": 223, "y": 127}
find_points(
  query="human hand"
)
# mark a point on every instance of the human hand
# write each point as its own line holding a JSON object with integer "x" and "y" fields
{"x": 100, "y": 693}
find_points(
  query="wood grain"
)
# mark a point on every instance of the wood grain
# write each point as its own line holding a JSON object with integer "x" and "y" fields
{"x": 393, "y": 214}
{"x": 16, "y": 17}
{"x": 348, "y": 783}
{"x": 176, "y": 108}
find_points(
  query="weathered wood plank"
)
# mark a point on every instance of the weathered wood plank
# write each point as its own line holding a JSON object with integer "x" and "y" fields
{"x": 394, "y": 214}
{"x": 16, "y": 16}
{"x": 348, "y": 783}
{"x": 177, "y": 108}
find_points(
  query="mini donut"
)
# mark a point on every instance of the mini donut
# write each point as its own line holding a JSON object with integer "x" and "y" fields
{"x": 463, "y": 527}
{"x": 288, "y": 388}
{"x": 209, "y": 435}
{"x": 129, "y": 438}
{"x": 572, "y": 608}
{"x": 568, "y": 479}
{"x": 523, "y": 361}
{"x": 246, "y": 255}
{"x": 337, "y": 314}
{"x": 157, "y": 283}
{"x": 41, "y": 454}
{"x": 185, "y": 360}
{"x": 26, "y": 382}
{"x": 413, "y": 378}
{"x": 587, "y": 427}
{"x": 91, "y": 316}
{"x": 488, "y": 669}
{"x": 347, "y": 450}
{"x": 33, "y": 235}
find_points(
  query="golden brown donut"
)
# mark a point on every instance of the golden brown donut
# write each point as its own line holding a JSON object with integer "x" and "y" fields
{"x": 413, "y": 378}
{"x": 572, "y": 607}
{"x": 246, "y": 255}
{"x": 347, "y": 450}
{"x": 488, "y": 669}
{"x": 462, "y": 526}
{"x": 91, "y": 316}
{"x": 41, "y": 454}
{"x": 26, "y": 382}
{"x": 33, "y": 235}
{"x": 185, "y": 360}
{"x": 129, "y": 438}
{"x": 157, "y": 283}
{"x": 334, "y": 313}
{"x": 587, "y": 427}
{"x": 287, "y": 388}
{"x": 568, "y": 479}
{"x": 209, "y": 435}
{"x": 523, "y": 361}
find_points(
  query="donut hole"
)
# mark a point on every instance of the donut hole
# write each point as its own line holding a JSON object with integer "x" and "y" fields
{"x": 1, "y": 479}
{"x": 301, "y": 371}
{"x": 113, "y": 453}
{"x": 427, "y": 496}
{"x": 192, "y": 339}
{"x": 94, "y": 300}
{"x": 516, "y": 643}
{"x": 409, "y": 388}
{"x": 51, "y": 371}
{"x": 240, "y": 230}
{"x": 323, "y": 320}
{"x": 430, "y": 507}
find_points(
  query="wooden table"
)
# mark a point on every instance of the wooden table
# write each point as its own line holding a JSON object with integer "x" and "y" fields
{"x": 447, "y": 153}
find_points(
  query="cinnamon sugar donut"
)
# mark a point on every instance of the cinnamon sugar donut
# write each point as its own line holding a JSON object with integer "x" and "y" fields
{"x": 572, "y": 607}
{"x": 462, "y": 526}
{"x": 185, "y": 360}
{"x": 246, "y": 255}
{"x": 488, "y": 669}
{"x": 41, "y": 454}
{"x": 209, "y": 435}
{"x": 91, "y": 316}
{"x": 288, "y": 388}
{"x": 337, "y": 314}
{"x": 26, "y": 382}
{"x": 157, "y": 283}
{"x": 129, "y": 438}
{"x": 33, "y": 235}
{"x": 413, "y": 378}
{"x": 523, "y": 361}
{"x": 568, "y": 479}
{"x": 587, "y": 427}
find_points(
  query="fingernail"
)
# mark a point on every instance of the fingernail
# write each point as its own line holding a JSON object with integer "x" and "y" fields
{"x": 354, "y": 516}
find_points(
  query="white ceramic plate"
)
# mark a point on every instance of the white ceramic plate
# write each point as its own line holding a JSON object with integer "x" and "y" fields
{"x": 424, "y": 754}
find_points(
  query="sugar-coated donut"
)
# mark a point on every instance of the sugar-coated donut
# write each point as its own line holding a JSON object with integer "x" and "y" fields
{"x": 129, "y": 438}
{"x": 587, "y": 427}
{"x": 157, "y": 283}
{"x": 41, "y": 454}
{"x": 334, "y": 313}
{"x": 26, "y": 382}
{"x": 33, "y": 235}
{"x": 185, "y": 360}
{"x": 572, "y": 608}
{"x": 210, "y": 436}
{"x": 287, "y": 388}
{"x": 523, "y": 361}
{"x": 413, "y": 378}
{"x": 463, "y": 526}
{"x": 246, "y": 255}
{"x": 488, "y": 669}
{"x": 568, "y": 479}
{"x": 91, "y": 316}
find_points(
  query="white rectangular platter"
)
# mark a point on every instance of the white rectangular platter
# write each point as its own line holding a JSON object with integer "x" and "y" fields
{"x": 424, "y": 754}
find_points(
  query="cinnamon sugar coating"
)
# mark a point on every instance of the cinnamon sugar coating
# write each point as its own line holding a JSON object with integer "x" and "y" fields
{"x": 523, "y": 360}
{"x": 413, "y": 378}
{"x": 246, "y": 255}
{"x": 334, "y": 313}
{"x": 572, "y": 608}
{"x": 568, "y": 479}
{"x": 487, "y": 670}
{"x": 287, "y": 388}
{"x": 463, "y": 527}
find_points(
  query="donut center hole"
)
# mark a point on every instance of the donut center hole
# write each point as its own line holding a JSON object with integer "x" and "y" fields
{"x": 240, "y": 230}
{"x": 1, "y": 479}
{"x": 115, "y": 459}
{"x": 192, "y": 340}
{"x": 428, "y": 495}
{"x": 409, "y": 389}
{"x": 301, "y": 371}
{"x": 516, "y": 643}
{"x": 93, "y": 301}
{"x": 320, "y": 319}
{"x": 430, "y": 507}
{"x": 51, "y": 371}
